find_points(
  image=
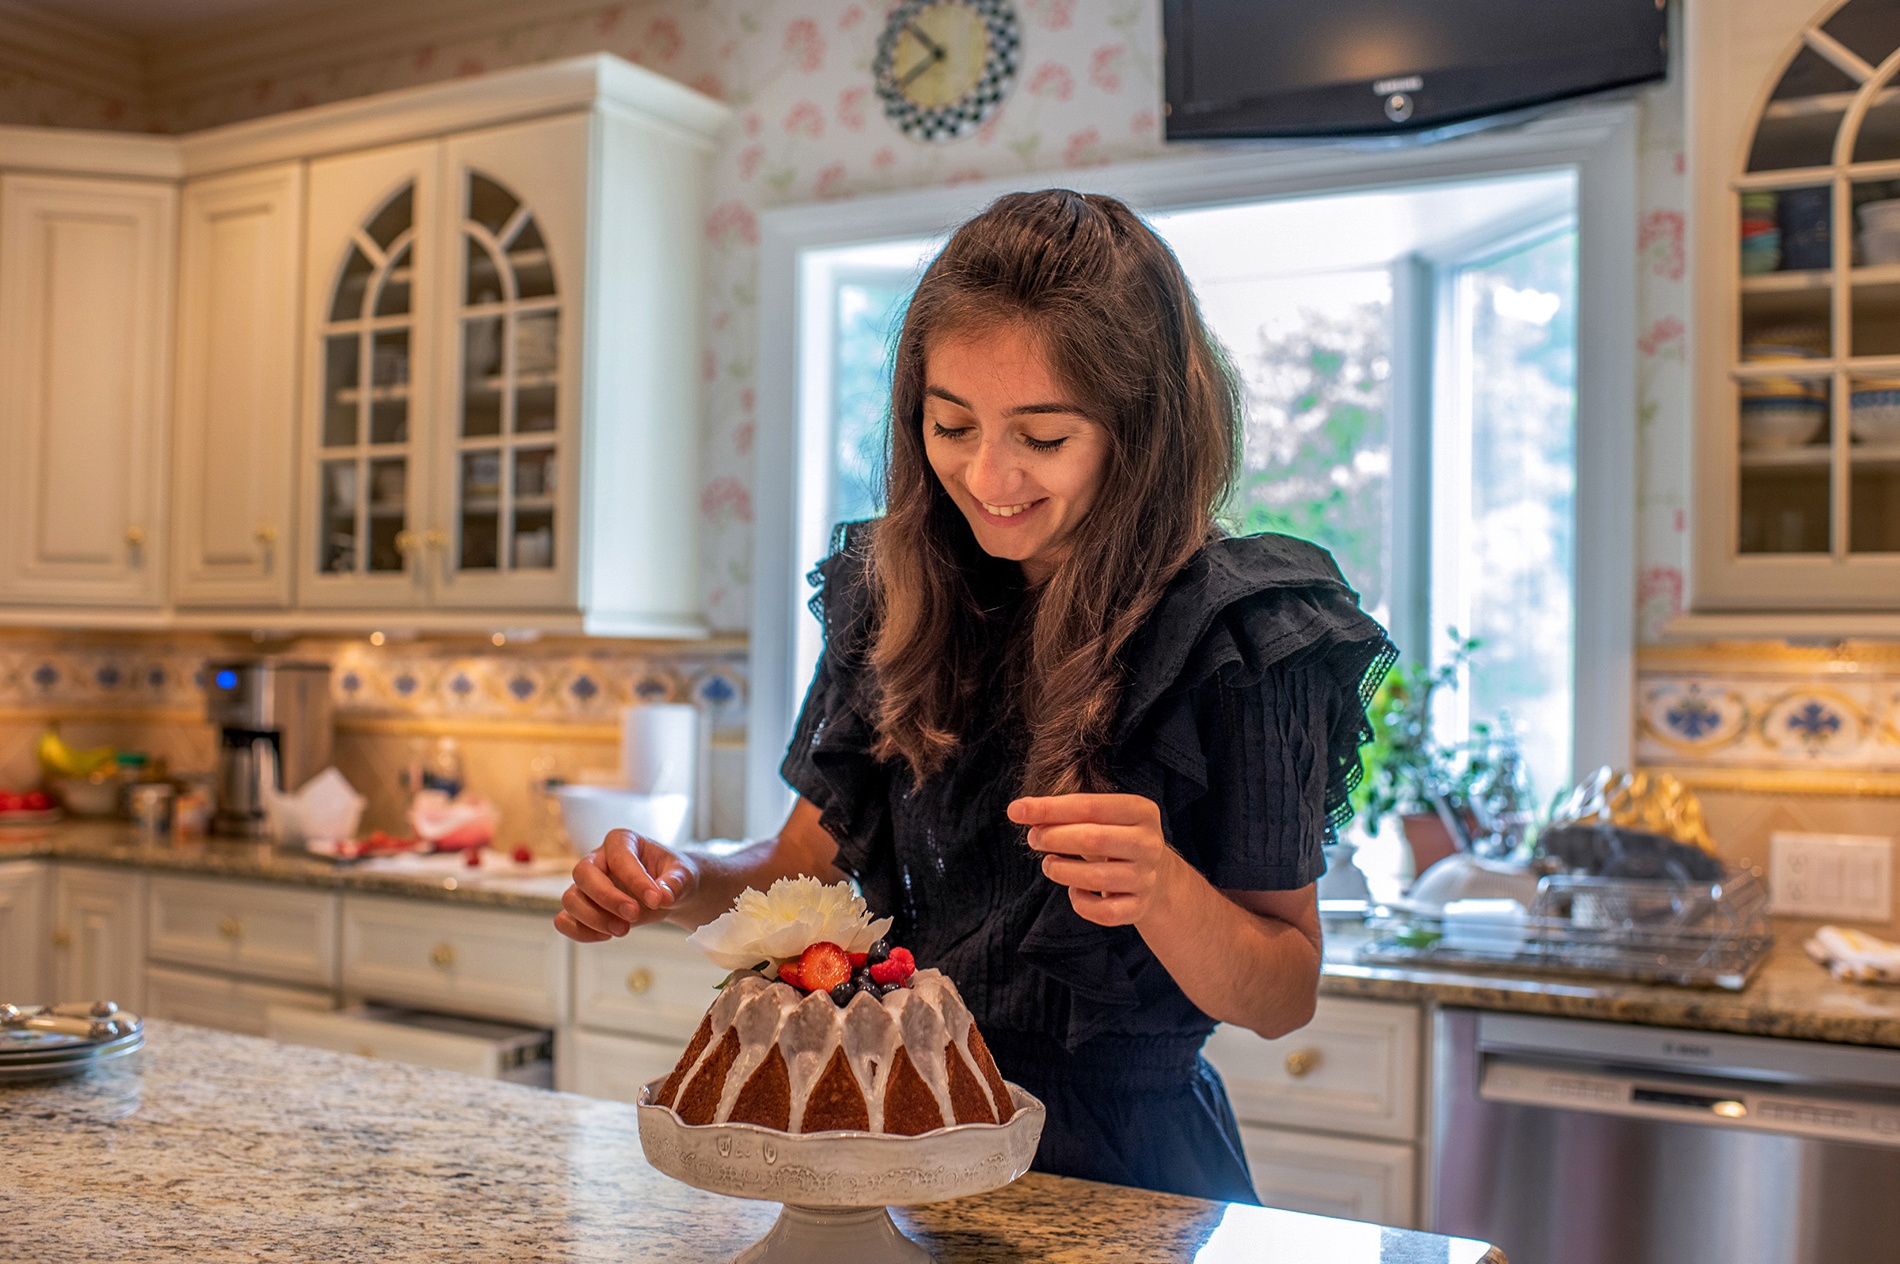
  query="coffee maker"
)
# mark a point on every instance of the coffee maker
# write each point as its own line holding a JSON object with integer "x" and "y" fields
{"x": 273, "y": 719}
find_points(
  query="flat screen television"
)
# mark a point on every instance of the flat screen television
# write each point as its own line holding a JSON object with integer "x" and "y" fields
{"x": 1288, "y": 68}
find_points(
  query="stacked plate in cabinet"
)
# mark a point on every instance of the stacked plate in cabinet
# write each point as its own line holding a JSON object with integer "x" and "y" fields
{"x": 46, "y": 1042}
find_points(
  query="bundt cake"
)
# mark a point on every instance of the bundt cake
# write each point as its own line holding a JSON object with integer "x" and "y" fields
{"x": 907, "y": 1062}
{"x": 838, "y": 1031}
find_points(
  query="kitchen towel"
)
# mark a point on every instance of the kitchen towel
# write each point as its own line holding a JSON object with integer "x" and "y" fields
{"x": 1856, "y": 956}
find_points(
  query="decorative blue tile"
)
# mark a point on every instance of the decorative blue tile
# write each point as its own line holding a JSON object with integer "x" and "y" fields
{"x": 584, "y": 688}
{"x": 46, "y": 675}
{"x": 521, "y": 687}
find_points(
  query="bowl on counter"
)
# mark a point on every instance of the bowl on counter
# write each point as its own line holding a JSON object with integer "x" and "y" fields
{"x": 1874, "y": 416}
{"x": 1782, "y": 421}
{"x": 98, "y": 795}
{"x": 589, "y": 812}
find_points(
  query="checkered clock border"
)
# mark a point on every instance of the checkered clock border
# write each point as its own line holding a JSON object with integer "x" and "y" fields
{"x": 964, "y": 116}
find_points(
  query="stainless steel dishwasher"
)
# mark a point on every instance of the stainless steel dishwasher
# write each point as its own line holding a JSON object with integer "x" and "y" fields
{"x": 1572, "y": 1142}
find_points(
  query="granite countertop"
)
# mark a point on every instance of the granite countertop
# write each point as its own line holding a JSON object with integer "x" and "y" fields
{"x": 533, "y": 888}
{"x": 1789, "y": 997}
{"x": 212, "y": 1147}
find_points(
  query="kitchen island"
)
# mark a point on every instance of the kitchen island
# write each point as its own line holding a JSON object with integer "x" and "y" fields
{"x": 209, "y": 1146}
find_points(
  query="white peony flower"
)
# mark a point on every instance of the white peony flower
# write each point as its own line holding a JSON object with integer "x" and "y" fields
{"x": 779, "y": 924}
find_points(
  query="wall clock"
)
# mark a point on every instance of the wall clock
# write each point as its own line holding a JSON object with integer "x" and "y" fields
{"x": 943, "y": 66}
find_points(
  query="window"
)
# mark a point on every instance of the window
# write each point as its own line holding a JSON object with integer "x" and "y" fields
{"x": 1417, "y": 401}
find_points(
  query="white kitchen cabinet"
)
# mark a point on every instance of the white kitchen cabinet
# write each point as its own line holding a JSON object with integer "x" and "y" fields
{"x": 234, "y": 458}
{"x": 501, "y": 384}
{"x": 1353, "y": 1069}
{"x": 263, "y": 930}
{"x": 595, "y": 1064}
{"x": 25, "y": 888}
{"x": 1331, "y": 1176}
{"x": 98, "y": 936}
{"x": 485, "y": 963}
{"x": 649, "y": 983}
{"x": 1793, "y": 128}
{"x": 224, "y": 1001}
{"x": 85, "y": 345}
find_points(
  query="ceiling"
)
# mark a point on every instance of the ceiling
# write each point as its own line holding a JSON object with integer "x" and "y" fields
{"x": 139, "y": 19}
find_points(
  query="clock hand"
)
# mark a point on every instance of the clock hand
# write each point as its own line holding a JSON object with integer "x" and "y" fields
{"x": 918, "y": 69}
{"x": 937, "y": 51}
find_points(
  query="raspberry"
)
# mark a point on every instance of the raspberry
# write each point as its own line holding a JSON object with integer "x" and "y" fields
{"x": 857, "y": 960}
{"x": 823, "y": 967}
{"x": 900, "y": 965}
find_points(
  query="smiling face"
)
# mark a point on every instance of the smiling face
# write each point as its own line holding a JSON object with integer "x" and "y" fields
{"x": 1008, "y": 442}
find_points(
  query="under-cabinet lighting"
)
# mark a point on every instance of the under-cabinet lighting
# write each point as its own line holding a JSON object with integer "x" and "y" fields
{"x": 376, "y": 638}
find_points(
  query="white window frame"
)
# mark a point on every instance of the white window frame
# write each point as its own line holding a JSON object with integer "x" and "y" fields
{"x": 1597, "y": 140}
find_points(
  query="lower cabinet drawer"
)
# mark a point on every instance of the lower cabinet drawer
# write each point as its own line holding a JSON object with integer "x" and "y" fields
{"x": 493, "y": 1051}
{"x": 254, "y": 928}
{"x": 218, "y": 1000}
{"x": 1331, "y": 1176}
{"x": 649, "y": 983}
{"x": 481, "y": 962}
{"x": 599, "y": 1065}
{"x": 1354, "y": 1069}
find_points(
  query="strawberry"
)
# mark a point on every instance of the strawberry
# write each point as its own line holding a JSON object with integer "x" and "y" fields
{"x": 896, "y": 968}
{"x": 823, "y": 967}
{"x": 788, "y": 973}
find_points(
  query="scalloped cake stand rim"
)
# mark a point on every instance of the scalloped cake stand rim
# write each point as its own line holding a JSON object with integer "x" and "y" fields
{"x": 989, "y": 1156}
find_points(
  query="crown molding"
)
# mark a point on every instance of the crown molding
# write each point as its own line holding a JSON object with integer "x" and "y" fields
{"x": 74, "y": 151}
{"x": 54, "y": 49}
{"x": 230, "y": 53}
{"x": 596, "y": 80}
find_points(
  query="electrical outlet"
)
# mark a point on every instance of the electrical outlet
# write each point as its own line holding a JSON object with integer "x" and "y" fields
{"x": 1844, "y": 876}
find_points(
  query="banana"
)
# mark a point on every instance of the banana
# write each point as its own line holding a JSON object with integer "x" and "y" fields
{"x": 62, "y": 760}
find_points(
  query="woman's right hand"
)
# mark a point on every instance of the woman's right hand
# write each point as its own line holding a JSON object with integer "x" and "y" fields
{"x": 627, "y": 880}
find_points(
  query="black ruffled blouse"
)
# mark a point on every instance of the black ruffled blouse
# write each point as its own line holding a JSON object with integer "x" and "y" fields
{"x": 1242, "y": 712}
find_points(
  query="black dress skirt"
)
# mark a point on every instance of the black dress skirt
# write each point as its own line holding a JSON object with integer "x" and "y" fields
{"x": 1242, "y": 711}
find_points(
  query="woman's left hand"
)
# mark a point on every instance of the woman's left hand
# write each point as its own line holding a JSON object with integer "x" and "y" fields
{"x": 1108, "y": 850}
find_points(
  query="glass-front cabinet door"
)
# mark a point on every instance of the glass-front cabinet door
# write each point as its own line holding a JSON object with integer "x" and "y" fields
{"x": 507, "y": 472}
{"x": 370, "y": 264}
{"x": 1806, "y": 473}
{"x": 441, "y": 447}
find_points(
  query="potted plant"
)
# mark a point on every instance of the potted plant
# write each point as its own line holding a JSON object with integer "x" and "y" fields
{"x": 1470, "y": 795}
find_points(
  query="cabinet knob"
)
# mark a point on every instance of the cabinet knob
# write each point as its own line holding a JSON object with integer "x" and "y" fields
{"x": 363, "y": 1051}
{"x": 231, "y": 928}
{"x": 62, "y": 938}
{"x": 436, "y": 538}
{"x": 1301, "y": 1062}
{"x": 266, "y": 534}
{"x": 408, "y": 541}
{"x": 442, "y": 956}
{"x": 639, "y": 979}
{"x": 135, "y": 536}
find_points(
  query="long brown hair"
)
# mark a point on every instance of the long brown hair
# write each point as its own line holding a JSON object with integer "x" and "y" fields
{"x": 1122, "y": 331}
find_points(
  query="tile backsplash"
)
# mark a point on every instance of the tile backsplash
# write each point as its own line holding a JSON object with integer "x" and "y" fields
{"x": 506, "y": 707}
{"x": 1773, "y": 717}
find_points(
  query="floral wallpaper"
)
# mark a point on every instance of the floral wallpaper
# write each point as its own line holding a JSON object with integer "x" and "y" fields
{"x": 808, "y": 127}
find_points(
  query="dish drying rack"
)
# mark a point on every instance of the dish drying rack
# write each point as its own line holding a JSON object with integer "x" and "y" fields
{"x": 1649, "y": 930}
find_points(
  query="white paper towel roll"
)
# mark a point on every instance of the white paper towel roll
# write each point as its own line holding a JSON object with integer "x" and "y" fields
{"x": 659, "y": 748}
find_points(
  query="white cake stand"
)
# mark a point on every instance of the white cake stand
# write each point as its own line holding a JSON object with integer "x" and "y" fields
{"x": 837, "y": 1187}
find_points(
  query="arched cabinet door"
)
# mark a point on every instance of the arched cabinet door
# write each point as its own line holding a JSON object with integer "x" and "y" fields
{"x": 371, "y": 265}
{"x": 1795, "y": 113}
{"x": 512, "y": 220}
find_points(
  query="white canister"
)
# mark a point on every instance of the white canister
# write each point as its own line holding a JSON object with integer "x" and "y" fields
{"x": 659, "y": 748}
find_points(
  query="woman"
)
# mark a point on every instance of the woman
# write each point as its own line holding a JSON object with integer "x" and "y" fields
{"x": 1081, "y": 745}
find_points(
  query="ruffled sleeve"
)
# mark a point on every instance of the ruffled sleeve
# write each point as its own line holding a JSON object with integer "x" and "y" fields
{"x": 1246, "y": 708}
{"x": 829, "y": 762}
